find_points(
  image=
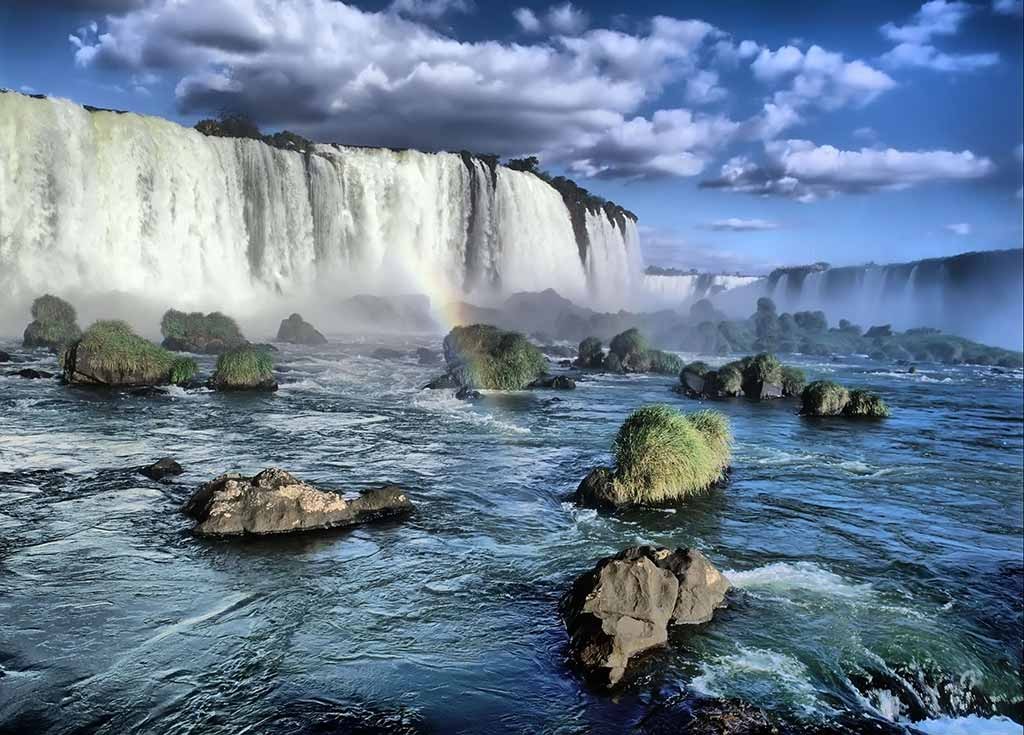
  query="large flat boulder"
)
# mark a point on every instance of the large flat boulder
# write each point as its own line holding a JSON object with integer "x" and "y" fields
{"x": 276, "y": 502}
{"x": 625, "y": 605}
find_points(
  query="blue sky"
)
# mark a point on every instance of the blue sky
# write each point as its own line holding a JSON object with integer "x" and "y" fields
{"x": 744, "y": 135}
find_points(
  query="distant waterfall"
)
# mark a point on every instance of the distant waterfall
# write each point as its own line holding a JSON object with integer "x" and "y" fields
{"x": 681, "y": 291}
{"x": 100, "y": 202}
{"x": 977, "y": 295}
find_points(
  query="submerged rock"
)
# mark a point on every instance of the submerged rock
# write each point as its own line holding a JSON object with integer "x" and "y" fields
{"x": 427, "y": 357}
{"x": 276, "y": 502}
{"x": 468, "y": 394}
{"x": 706, "y": 716}
{"x": 443, "y": 382}
{"x": 5, "y": 356}
{"x": 31, "y": 374}
{"x": 625, "y": 605}
{"x": 297, "y": 331}
{"x": 162, "y": 468}
{"x": 386, "y": 353}
{"x": 555, "y": 382}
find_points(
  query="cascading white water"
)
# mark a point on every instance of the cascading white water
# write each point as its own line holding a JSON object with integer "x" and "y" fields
{"x": 98, "y": 202}
{"x": 679, "y": 292}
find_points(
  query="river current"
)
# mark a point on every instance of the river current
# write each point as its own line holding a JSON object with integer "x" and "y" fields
{"x": 878, "y": 566}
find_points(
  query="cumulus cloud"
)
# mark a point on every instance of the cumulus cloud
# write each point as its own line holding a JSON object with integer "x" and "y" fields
{"x": 335, "y": 72}
{"x": 735, "y": 224}
{"x": 913, "y": 47}
{"x": 815, "y": 78}
{"x": 959, "y": 228}
{"x": 801, "y": 170}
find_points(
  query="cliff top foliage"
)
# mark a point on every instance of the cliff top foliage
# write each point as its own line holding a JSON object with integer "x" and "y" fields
{"x": 572, "y": 193}
{"x": 483, "y": 356}
{"x": 235, "y": 125}
{"x": 662, "y": 454}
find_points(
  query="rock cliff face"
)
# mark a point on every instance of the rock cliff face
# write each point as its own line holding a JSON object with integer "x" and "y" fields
{"x": 276, "y": 502}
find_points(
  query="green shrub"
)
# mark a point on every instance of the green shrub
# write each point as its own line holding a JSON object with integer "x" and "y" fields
{"x": 866, "y": 404}
{"x": 824, "y": 398}
{"x": 664, "y": 363}
{"x": 628, "y": 343}
{"x": 53, "y": 324}
{"x": 197, "y": 332}
{"x": 244, "y": 367}
{"x": 727, "y": 380}
{"x": 793, "y": 381}
{"x": 591, "y": 354}
{"x": 183, "y": 369}
{"x": 662, "y": 454}
{"x": 482, "y": 356}
{"x": 698, "y": 368}
{"x": 762, "y": 369}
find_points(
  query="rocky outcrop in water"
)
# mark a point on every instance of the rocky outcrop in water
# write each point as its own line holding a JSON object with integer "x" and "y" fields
{"x": 31, "y": 374}
{"x": 625, "y": 605}
{"x": 211, "y": 334}
{"x": 246, "y": 368}
{"x": 297, "y": 331}
{"x": 5, "y": 356}
{"x": 483, "y": 356}
{"x": 827, "y": 398}
{"x": 162, "y": 468}
{"x": 110, "y": 354}
{"x": 276, "y": 502}
{"x": 54, "y": 324}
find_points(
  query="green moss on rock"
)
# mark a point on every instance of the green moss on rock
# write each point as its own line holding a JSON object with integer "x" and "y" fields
{"x": 591, "y": 354}
{"x": 483, "y": 356}
{"x": 864, "y": 404}
{"x": 631, "y": 347}
{"x": 824, "y": 398}
{"x": 54, "y": 324}
{"x": 663, "y": 363}
{"x": 661, "y": 455}
{"x": 244, "y": 368}
{"x": 110, "y": 353}
{"x": 183, "y": 369}
{"x": 793, "y": 381}
{"x": 212, "y": 334}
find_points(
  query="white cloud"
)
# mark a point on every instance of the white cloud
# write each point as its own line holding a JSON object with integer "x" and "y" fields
{"x": 432, "y": 9}
{"x": 27, "y": 89}
{"x": 668, "y": 248}
{"x": 1008, "y": 7}
{"x": 866, "y": 133}
{"x": 913, "y": 47}
{"x": 335, "y": 72}
{"x": 935, "y": 18}
{"x": 925, "y": 56}
{"x": 960, "y": 228}
{"x": 801, "y": 170}
{"x": 735, "y": 224}
{"x": 527, "y": 20}
{"x": 567, "y": 19}
{"x": 819, "y": 77}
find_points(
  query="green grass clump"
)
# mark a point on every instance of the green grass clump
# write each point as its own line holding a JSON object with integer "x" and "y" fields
{"x": 727, "y": 380}
{"x": 483, "y": 356}
{"x": 793, "y": 381}
{"x": 762, "y": 369}
{"x": 824, "y": 398}
{"x": 866, "y": 404}
{"x": 49, "y": 309}
{"x": 628, "y": 343}
{"x": 662, "y": 455}
{"x": 612, "y": 363}
{"x": 183, "y": 369}
{"x": 244, "y": 367}
{"x": 664, "y": 363}
{"x": 196, "y": 328}
{"x": 112, "y": 353}
{"x": 54, "y": 324}
{"x": 591, "y": 354}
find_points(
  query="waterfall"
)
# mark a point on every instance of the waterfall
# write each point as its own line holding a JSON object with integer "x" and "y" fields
{"x": 681, "y": 291}
{"x": 98, "y": 202}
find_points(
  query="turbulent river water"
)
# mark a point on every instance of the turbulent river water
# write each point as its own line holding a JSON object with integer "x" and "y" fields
{"x": 878, "y": 566}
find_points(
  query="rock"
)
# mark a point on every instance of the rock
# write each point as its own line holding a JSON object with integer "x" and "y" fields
{"x": 110, "y": 354}
{"x": 5, "y": 356}
{"x": 596, "y": 490}
{"x": 427, "y": 357}
{"x": 565, "y": 363}
{"x": 590, "y": 354}
{"x": 297, "y": 331}
{"x": 762, "y": 378}
{"x": 30, "y": 374}
{"x": 692, "y": 380}
{"x": 147, "y": 391}
{"x": 244, "y": 369}
{"x": 386, "y": 353}
{"x": 705, "y": 716}
{"x": 468, "y": 394}
{"x": 212, "y": 334}
{"x": 625, "y": 605}
{"x": 54, "y": 324}
{"x": 276, "y": 502}
{"x": 482, "y": 356}
{"x": 443, "y": 382}
{"x": 555, "y": 382}
{"x": 162, "y": 468}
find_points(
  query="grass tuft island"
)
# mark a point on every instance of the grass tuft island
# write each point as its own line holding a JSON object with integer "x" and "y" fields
{"x": 109, "y": 353}
{"x": 244, "y": 368}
